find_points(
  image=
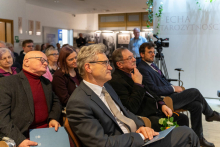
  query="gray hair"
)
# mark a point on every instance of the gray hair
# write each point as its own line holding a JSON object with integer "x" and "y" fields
{"x": 117, "y": 56}
{"x": 48, "y": 50}
{"x": 136, "y": 29}
{"x": 2, "y": 42}
{"x": 4, "y": 50}
{"x": 89, "y": 54}
{"x": 9, "y": 45}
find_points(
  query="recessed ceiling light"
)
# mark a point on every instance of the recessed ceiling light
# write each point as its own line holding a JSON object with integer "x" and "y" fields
{"x": 56, "y": 1}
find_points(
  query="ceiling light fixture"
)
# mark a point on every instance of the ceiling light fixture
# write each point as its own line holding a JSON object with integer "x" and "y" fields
{"x": 56, "y": 1}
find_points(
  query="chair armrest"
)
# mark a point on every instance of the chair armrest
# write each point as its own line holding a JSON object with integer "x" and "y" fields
{"x": 169, "y": 102}
{"x": 7, "y": 142}
{"x": 147, "y": 122}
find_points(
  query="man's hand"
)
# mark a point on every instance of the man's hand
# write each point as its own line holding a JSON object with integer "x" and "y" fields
{"x": 27, "y": 143}
{"x": 178, "y": 89}
{"x": 167, "y": 111}
{"x": 136, "y": 76}
{"x": 147, "y": 132}
{"x": 54, "y": 123}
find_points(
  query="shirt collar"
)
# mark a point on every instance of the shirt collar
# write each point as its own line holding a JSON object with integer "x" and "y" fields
{"x": 97, "y": 89}
{"x": 148, "y": 63}
{"x": 13, "y": 69}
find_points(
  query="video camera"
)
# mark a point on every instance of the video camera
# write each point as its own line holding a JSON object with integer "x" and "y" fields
{"x": 160, "y": 44}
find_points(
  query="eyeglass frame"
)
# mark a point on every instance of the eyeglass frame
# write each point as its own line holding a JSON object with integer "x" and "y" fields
{"x": 54, "y": 54}
{"x": 106, "y": 62}
{"x": 129, "y": 58}
{"x": 42, "y": 60}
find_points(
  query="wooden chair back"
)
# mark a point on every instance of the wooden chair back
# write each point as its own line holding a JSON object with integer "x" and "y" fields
{"x": 76, "y": 141}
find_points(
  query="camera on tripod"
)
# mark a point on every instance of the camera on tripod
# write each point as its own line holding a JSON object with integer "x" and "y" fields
{"x": 160, "y": 44}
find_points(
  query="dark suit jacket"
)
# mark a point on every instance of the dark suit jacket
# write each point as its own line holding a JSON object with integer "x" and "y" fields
{"x": 19, "y": 60}
{"x": 63, "y": 85}
{"x": 93, "y": 122}
{"x": 133, "y": 96}
{"x": 17, "y": 106}
{"x": 80, "y": 42}
{"x": 157, "y": 83}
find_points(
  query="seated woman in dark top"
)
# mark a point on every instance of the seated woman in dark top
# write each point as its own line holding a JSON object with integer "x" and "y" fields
{"x": 52, "y": 57}
{"x": 6, "y": 61}
{"x": 66, "y": 78}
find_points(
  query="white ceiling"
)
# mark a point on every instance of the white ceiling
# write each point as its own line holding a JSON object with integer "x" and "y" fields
{"x": 92, "y": 6}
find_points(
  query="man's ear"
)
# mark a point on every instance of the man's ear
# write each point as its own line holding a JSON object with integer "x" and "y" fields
{"x": 88, "y": 68}
{"x": 119, "y": 64}
{"x": 26, "y": 62}
{"x": 142, "y": 55}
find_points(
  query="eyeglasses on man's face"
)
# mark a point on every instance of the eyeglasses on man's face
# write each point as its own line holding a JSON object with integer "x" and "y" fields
{"x": 42, "y": 60}
{"x": 55, "y": 54}
{"x": 129, "y": 58}
{"x": 107, "y": 62}
{"x": 29, "y": 46}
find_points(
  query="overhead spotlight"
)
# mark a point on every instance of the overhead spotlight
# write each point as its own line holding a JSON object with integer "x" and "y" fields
{"x": 56, "y": 1}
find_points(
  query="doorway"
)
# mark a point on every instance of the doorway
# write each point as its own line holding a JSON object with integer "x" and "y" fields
{"x": 6, "y": 31}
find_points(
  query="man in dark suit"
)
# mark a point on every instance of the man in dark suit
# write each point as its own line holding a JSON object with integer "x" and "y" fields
{"x": 137, "y": 98}
{"x": 97, "y": 116}
{"x": 80, "y": 41}
{"x": 189, "y": 99}
{"x": 27, "y": 101}
{"x": 27, "y": 45}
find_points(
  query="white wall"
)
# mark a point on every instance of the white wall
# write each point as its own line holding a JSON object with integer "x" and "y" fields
{"x": 12, "y": 9}
{"x": 194, "y": 36}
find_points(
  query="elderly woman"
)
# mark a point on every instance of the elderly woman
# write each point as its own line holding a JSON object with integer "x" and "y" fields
{"x": 52, "y": 57}
{"x": 66, "y": 78}
{"x": 6, "y": 61}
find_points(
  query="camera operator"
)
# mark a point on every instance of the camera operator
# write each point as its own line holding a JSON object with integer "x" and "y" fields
{"x": 135, "y": 43}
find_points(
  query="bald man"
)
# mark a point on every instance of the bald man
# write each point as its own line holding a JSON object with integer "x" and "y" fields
{"x": 27, "y": 101}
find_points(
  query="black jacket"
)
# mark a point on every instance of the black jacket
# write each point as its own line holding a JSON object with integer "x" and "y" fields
{"x": 133, "y": 96}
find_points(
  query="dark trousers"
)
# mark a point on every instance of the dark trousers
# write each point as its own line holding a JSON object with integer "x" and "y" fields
{"x": 182, "y": 120}
{"x": 193, "y": 101}
{"x": 180, "y": 137}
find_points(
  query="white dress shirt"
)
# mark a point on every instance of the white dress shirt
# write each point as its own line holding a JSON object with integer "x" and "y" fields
{"x": 98, "y": 91}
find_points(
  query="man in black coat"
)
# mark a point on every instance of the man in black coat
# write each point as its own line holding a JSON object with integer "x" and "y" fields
{"x": 80, "y": 41}
{"x": 136, "y": 97}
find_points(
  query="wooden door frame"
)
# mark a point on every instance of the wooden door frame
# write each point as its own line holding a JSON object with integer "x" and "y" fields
{"x": 12, "y": 28}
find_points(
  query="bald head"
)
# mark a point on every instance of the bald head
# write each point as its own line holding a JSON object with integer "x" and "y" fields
{"x": 35, "y": 62}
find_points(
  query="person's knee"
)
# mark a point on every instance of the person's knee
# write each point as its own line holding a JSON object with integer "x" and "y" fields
{"x": 194, "y": 91}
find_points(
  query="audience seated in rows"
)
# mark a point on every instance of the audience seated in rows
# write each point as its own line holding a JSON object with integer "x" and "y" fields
{"x": 97, "y": 116}
{"x": 27, "y": 101}
{"x": 6, "y": 62}
{"x": 137, "y": 98}
{"x": 52, "y": 57}
{"x": 66, "y": 78}
{"x": 189, "y": 99}
{"x": 27, "y": 45}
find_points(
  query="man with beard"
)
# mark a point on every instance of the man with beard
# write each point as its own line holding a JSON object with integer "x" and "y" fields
{"x": 189, "y": 99}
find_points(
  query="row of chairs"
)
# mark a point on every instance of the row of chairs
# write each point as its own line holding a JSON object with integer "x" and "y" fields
{"x": 75, "y": 139}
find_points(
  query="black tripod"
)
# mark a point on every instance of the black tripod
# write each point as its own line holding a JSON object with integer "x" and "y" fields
{"x": 160, "y": 62}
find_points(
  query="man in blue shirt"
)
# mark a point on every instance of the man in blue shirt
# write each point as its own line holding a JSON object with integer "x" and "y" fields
{"x": 135, "y": 43}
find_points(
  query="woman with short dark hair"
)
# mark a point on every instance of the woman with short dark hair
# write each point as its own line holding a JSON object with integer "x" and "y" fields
{"x": 66, "y": 79}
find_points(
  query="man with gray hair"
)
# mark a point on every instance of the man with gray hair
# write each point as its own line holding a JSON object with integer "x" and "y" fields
{"x": 135, "y": 43}
{"x": 97, "y": 116}
{"x": 2, "y": 44}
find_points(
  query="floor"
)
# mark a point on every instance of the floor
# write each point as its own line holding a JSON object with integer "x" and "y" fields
{"x": 211, "y": 130}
